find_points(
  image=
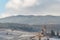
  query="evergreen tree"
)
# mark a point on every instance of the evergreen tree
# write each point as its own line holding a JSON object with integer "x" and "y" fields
{"x": 57, "y": 33}
{"x": 52, "y": 33}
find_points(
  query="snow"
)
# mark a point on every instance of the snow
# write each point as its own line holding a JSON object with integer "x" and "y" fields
{"x": 51, "y": 38}
{"x": 17, "y": 35}
{"x": 54, "y": 39}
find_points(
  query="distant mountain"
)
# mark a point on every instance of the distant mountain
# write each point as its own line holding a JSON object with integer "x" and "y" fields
{"x": 30, "y": 19}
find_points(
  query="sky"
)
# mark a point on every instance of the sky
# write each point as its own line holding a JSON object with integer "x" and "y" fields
{"x": 29, "y": 7}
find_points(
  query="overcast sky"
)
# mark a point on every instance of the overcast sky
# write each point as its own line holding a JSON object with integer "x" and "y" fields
{"x": 29, "y": 7}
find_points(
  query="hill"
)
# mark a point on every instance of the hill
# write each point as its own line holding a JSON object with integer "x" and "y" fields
{"x": 37, "y": 20}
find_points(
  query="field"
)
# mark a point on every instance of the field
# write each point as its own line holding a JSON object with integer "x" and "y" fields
{"x": 7, "y": 34}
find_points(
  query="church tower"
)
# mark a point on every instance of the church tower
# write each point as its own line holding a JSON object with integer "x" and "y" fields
{"x": 43, "y": 29}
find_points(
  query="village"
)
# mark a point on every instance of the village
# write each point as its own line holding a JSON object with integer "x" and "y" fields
{"x": 11, "y": 34}
{"x": 44, "y": 35}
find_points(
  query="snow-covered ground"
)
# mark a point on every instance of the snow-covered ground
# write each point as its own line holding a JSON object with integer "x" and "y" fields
{"x": 7, "y": 34}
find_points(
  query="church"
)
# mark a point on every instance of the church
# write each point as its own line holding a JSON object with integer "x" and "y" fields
{"x": 43, "y": 35}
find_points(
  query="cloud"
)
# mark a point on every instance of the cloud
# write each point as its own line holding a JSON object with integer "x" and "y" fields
{"x": 33, "y": 7}
{"x": 53, "y": 8}
{"x": 13, "y": 4}
{"x": 2, "y": 15}
{"x": 7, "y": 14}
{"x": 17, "y": 4}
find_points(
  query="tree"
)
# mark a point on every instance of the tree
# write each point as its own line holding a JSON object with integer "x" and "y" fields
{"x": 57, "y": 33}
{"x": 52, "y": 33}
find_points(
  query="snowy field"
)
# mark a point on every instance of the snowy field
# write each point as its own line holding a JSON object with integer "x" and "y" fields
{"x": 7, "y": 34}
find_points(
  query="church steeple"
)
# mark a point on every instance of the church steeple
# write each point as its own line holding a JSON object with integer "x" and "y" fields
{"x": 43, "y": 29}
